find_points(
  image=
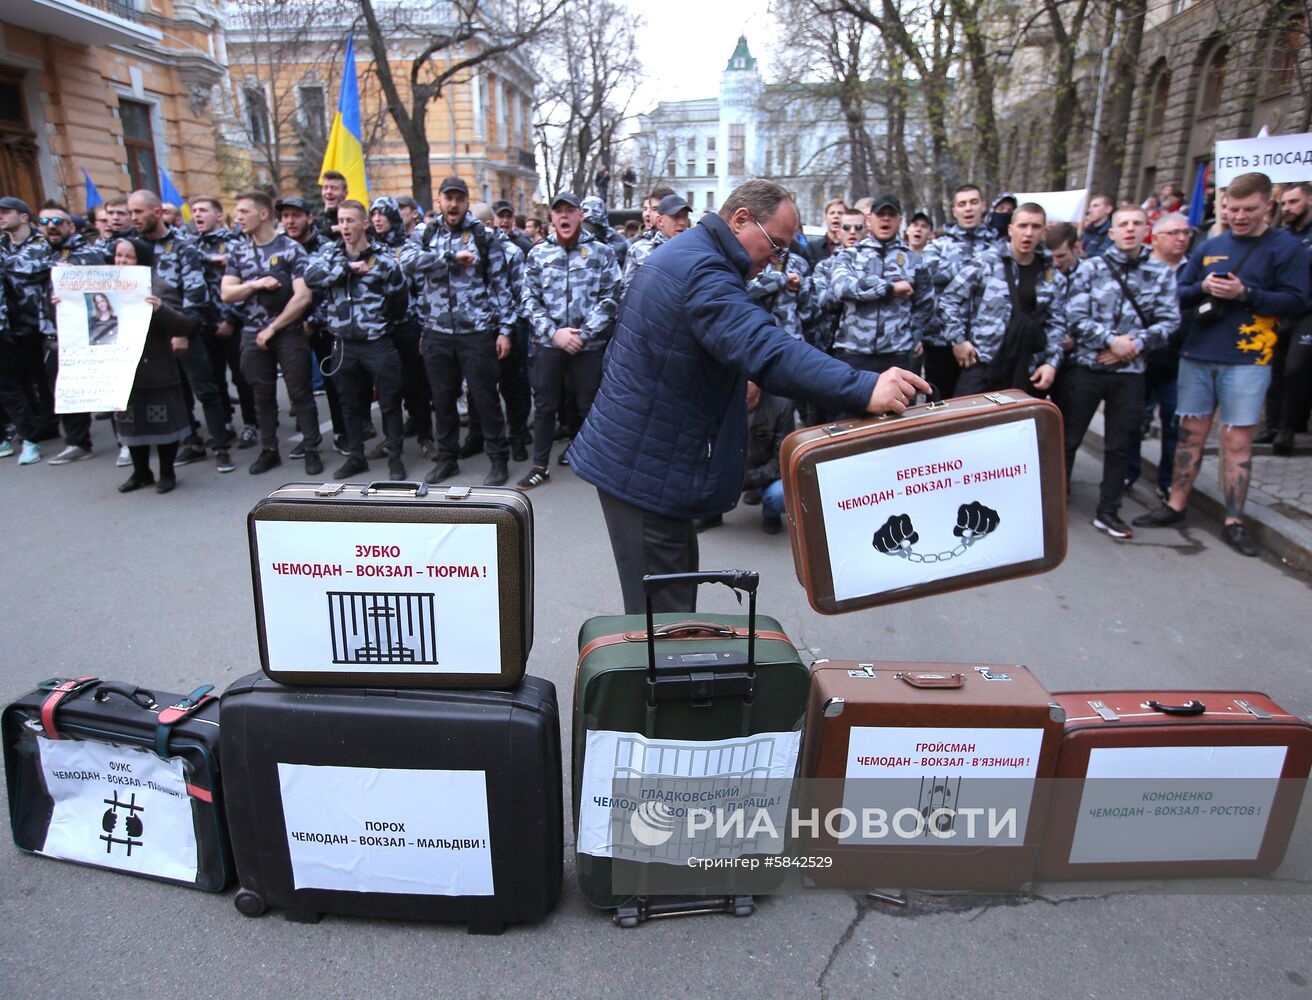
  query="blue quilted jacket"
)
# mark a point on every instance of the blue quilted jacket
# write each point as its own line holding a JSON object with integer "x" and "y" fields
{"x": 668, "y": 429}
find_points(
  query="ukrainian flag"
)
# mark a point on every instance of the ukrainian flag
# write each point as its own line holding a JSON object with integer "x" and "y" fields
{"x": 167, "y": 192}
{"x": 345, "y": 152}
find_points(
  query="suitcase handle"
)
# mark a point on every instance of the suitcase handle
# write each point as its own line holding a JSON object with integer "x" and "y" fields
{"x": 418, "y": 488}
{"x": 138, "y": 696}
{"x": 713, "y": 629}
{"x": 923, "y": 680}
{"x": 1191, "y": 707}
{"x": 735, "y": 579}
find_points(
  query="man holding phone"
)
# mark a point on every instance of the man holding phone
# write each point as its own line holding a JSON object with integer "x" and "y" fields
{"x": 1238, "y": 284}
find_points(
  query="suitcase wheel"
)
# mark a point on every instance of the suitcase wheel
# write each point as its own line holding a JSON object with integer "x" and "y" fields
{"x": 627, "y": 920}
{"x": 249, "y": 904}
{"x": 743, "y": 906}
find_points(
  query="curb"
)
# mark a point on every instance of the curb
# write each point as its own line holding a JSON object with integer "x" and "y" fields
{"x": 1274, "y": 532}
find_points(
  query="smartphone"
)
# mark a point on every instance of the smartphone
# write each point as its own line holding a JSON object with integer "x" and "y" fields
{"x": 1220, "y": 274}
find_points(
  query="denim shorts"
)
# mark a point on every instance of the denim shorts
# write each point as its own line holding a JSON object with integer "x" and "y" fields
{"x": 1238, "y": 389}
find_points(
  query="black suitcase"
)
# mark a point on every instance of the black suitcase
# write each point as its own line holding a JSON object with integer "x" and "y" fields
{"x": 413, "y": 803}
{"x": 114, "y": 776}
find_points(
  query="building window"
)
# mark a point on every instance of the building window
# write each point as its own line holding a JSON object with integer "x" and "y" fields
{"x": 1159, "y": 96}
{"x": 710, "y": 168}
{"x": 692, "y": 166}
{"x": 257, "y": 115}
{"x": 710, "y": 144}
{"x": 1287, "y": 42}
{"x": 313, "y": 117}
{"x": 692, "y": 146}
{"x": 691, "y": 199}
{"x": 737, "y": 148}
{"x": 710, "y": 200}
{"x": 139, "y": 145}
{"x": 1213, "y": 88}
{"x": 670, "y": 168}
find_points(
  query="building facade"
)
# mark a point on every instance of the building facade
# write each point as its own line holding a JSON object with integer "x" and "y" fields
{"x": 120, "y": 88}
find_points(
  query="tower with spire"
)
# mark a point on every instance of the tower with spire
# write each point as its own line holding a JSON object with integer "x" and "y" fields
{"x": 740, "y": 99}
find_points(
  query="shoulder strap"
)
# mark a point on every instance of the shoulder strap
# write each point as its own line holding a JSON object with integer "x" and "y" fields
{"x": 175, "y": 713}
{"x": 1009, "y": 269}
{"x": 1129, "y": 296}
{"x": 61, "y": 691}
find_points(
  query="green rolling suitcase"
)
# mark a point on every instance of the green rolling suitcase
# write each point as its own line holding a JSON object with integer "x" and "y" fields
{"x": 676, "y": 698}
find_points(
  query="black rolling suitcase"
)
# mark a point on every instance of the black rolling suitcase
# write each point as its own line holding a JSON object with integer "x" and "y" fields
{"x": 111, "y": 775}
{"x": 419, "y": 804}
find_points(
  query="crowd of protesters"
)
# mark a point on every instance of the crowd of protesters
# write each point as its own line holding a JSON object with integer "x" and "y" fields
{"x": 474, "y": 316}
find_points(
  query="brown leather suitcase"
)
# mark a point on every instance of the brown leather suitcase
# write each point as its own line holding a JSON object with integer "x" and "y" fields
{"x": 949, "y": 495}
{"x": 965, "y": 748}
{"x": 1172, "y": 784}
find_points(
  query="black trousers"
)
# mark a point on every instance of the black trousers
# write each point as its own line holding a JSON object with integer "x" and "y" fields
{"x": 553, "y": 370}
{"x": 415, "y": 390}
{"x": 225, "y": 358}
{"x": 1122, "y": 396}
{"x": 290, "y": 351}
{"x": 358, "y": 367}
{"x": 472, "y": 357}
{"x": 878, "y": 363}
{"x": 77, "y": 426}
{"x": 648, "y": 544}
{"x": 198, "y": 366}
{"x": 513, "y": 382}
{"x": 22, "y": 369}
{"x": 942, "y": 370}
{"x": 1296, "y": 386}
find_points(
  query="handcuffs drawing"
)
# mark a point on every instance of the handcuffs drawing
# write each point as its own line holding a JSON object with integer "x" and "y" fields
{"x": 897, "y": 535}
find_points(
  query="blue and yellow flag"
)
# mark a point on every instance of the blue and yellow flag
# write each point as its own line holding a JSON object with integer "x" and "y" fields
{"x": 167, "y": 192}
{"x": 93, "y": 196}
{"x": 345, "y": 152}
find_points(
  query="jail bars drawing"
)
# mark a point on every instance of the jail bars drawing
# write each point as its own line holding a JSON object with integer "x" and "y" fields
{"x": 384, "y": 628}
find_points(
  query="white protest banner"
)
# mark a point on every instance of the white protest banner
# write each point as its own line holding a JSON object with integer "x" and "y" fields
{"x": 118, "y": 807}
{"x": 102, "y": 319}
{"x": 972, "y": 501}
{"x": 373, "y": 829}
{"x": 1061, "y": 206}
{"x": 340, "y": 597}
{"x": 1286, "y": 159}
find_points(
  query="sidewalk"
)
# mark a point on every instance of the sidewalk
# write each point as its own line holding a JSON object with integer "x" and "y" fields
{"x": 1279, "y": 509}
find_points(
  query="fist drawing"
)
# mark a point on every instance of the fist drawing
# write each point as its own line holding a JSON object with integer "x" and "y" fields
{"x": 974, "y": 520}
{"x": 896, "y": 531}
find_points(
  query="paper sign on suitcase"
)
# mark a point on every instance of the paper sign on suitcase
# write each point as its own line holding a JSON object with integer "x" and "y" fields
{"x": 949, "y": 495}
{"x": 393, "y": 584}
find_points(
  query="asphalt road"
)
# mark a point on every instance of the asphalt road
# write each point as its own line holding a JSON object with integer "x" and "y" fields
{"x": 156, "y": 590}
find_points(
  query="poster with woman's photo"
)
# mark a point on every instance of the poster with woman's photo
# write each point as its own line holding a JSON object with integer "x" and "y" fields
{"x": 102, "y": 318}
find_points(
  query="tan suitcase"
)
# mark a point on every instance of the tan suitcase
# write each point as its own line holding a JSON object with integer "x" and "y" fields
{"x": 943, "y": 768}
{"x": 949, "y": 495}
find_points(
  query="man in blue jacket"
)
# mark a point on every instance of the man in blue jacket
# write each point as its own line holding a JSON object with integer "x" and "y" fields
{"x": 665, "y": 441}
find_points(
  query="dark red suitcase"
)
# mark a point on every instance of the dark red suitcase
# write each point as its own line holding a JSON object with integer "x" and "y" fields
{"x": 1162, "y": 784}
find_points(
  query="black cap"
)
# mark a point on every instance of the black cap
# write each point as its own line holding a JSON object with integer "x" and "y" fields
{"x": 17, "y": 205}
{"x": 672, "y": 204}
{"x": 454, "y": 184}
{"x": 568, "y": 197}
{"x": 405, "y": 201}
{"x": 294, "y": 203}
{"x": 922, "y": 216}
{"x": 886, "y": 201}
{"x": 501, "y": 207}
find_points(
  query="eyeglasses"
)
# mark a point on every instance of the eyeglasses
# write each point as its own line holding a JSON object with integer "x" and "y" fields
{"x": 51, "y": 220}
{"x": 853, "y": 228}
{"x": 775, "y": 249}
{"x": 1174, "y": 232}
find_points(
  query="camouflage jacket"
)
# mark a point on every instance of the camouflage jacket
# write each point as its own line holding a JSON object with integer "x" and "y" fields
{"x": 979, "y": 300}
{"x": 216, "y": 243}
{"x": 945, "y": 256}
{"x": 106, "y": 246}
{"x": 575, "y": 287}
{"x": 639, "y": 250}
{"x": 180, "y": 272}
{"x": 516, "y": 261}
{"x": 821, "y": 321}
{"x": 875, "y": 321}
{"x": 1100, "y": 309}
{"x": 359, "y": 306}
{"x": 27, "y": 279}
{"x": 791, "y": 310}
{"x": 454, "y": 299}
{"x": 281, "y": 257}
{"x": 594, "y": 214}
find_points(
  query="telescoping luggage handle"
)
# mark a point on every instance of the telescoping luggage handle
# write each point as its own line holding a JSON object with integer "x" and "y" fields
{"x": 700, "y": 677}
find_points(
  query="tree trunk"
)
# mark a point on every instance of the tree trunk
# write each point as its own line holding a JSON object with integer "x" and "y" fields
{"x": 1122, "y": 72}
{"x": 984, "y": 136}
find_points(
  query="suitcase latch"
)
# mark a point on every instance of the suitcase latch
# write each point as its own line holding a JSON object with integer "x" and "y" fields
{"x": 863, "y": 670}
{"x": 1251, "y": 709}
{"x": 834, "y": 707}
{"x": 329, "y": 489}
{"x": 1107, "y": 714}
{"x": 457, "y": 492}
{"x": 997, "y": 397}
{"x": 989, "y": 675}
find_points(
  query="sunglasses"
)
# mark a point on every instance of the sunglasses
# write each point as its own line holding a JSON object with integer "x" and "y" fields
{"x": 853, "y": 228}
{"x": 775, "y": 249}
{"x": 51, "y": 220}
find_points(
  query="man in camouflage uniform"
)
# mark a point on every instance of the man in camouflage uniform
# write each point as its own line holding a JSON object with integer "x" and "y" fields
{"x": 670, "y": 217}
{"x": 1013, "y": 300}
{"x": 571, "y": 289}
{"x": 504, "y": 213}
{"x": 962, "y": 242}
{"x": 180, "y": 267}
{"x": 887, "y": 296}
{"x": 120, "y": 224}
{"x": 1122, "y": 305}
{"x": 467, "y": 318}
{"x": 783, "y": 289}
{"x": 365, "y": 294}
{"x": 266, "y": 271}
{"x": 821, "y": 323}
{"x": 596, "y": 222}
{"x": 223, "y": 340}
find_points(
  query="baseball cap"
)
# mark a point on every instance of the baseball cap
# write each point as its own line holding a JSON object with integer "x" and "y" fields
{"x": 886, "y": 201}
{"x": 17, "y": 205}
{"x": 568, "y": 197}
{"x": 922, "y": 216}
{"x": 294, "y": 203}
{"x": 454, "y": 184}
{"x": 501, "y": 207}
{"x": 672, "y": 204}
